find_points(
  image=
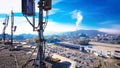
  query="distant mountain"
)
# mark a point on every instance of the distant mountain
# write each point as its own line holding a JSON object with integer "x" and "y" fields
{"x": 88, "y": 32}
{"x": 24, "y": 36}
{"x": 6, "y": 35}
{"x": 66, "y": 34}
{"x": 20, "y": 37}
{"x": 0, "y": 35}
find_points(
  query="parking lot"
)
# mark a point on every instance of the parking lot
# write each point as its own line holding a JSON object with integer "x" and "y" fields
{"x": 84, "y": 60}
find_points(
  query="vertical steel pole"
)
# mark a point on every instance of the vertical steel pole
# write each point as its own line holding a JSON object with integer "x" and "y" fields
{"x": 40, "y": 32}
{"x": 33, "y": 15}
{"x": 12, "y": 23}
{"x": 5, "y": 25}
{"x": 4, "y": 35}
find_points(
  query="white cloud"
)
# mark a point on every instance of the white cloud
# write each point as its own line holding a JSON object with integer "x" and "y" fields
{"x": 51, "y": 12}
{"x": 110, "y": 30}
{"x": 106, "y": 22}
{"x": 1, "y": 24}
{"x": 24, "y": 27}
{"x": 22, "y": 24}
{"x": 56, "y": 1}
{"x": 7, "y": 5}
{"x": 54, "y": 28}
{"x": 112, "y": 22}
{"x": 116, "y": 26}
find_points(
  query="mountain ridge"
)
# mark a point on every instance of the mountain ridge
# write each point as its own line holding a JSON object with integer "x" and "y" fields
{"x": 20, "y": 36}
{"x": 88, "y": 32}
{"x": 70, "y": 33}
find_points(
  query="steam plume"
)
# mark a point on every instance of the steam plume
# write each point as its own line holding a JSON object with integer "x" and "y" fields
{"x": 79, "y": 19}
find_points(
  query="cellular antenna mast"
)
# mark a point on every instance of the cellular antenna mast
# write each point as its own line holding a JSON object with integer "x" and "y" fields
{"x": 28, "y": 9}
{"x": 13, "y": 29}
{"x": 12, "y": 24}
{"x": 5, "y": 23}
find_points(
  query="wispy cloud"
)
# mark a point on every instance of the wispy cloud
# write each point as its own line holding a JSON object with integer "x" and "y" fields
{"x": 108, "y": 22}
{"x": 54, "y": 27}
{"x": 116, "y": 26}
{"x": 51, "y": 12}
{"x": 24, "y": 27}
{"x": 15, "y": 5}
{"x": 114, "y": 29}
{"x": 110, "y": 30}
{"x": 56, "y": 1}
{"x": 7, "y": 5}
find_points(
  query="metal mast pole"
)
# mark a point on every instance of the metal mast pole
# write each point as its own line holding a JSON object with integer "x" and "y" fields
{"x": 5, "y": 25}
{"x": 4, "y": 35}
{"x": 40, "y": 33}
{"x": 12, "y": 23}
{"x": 4, "y": 31}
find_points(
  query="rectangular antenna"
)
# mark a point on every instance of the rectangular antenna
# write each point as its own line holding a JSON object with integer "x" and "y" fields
{"x": 28, "y": 7}
{"x": 47, "y": 5}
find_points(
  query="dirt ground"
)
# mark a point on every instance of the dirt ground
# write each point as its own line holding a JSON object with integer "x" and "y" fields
{"x": 13, "y": 59}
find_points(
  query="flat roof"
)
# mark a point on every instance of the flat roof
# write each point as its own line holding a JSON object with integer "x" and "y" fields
{"x": 73, "y": 63}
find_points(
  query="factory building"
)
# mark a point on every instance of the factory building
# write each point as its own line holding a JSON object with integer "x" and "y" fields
{"x": 83, "y": 39}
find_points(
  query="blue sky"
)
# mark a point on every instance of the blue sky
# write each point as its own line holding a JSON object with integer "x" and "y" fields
{"x": 102, "y": 15}
{"x": 95, "y": 13}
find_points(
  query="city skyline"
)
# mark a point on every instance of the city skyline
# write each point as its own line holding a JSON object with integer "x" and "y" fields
{"x": 67, "y": 15}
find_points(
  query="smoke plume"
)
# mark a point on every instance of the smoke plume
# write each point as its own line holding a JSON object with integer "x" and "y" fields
{"x": 79, "y": 20}
{"x": 76, "y": 14}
